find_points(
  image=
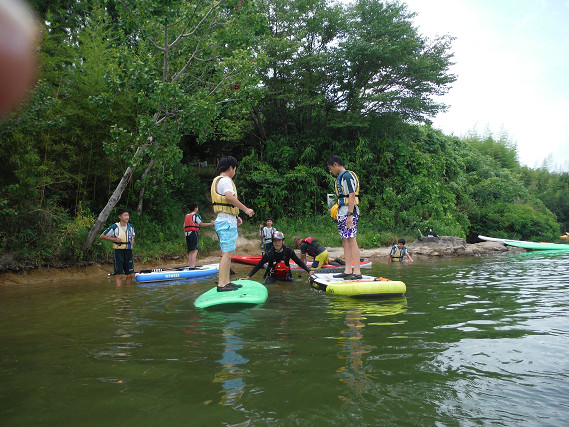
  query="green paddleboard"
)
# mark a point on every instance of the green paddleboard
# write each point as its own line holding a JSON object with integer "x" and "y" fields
{"x": 538, "y": 246}
{"x": 251, "y": 292}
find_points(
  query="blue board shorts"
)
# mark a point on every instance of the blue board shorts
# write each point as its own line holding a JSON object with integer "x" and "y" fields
{"x": 345, "y": 232}
{"x": 227, "y": 234}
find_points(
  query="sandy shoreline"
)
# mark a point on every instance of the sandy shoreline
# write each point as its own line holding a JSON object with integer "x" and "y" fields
{"x": 97, "y": 272}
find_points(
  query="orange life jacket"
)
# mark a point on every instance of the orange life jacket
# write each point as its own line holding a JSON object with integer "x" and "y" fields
{"x": 190, "y": 224}
{"x": 279, "y": 270}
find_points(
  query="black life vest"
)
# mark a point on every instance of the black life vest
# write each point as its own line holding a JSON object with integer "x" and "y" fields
{"x": 313, "y": 248}
{"x": 279, "y": 268}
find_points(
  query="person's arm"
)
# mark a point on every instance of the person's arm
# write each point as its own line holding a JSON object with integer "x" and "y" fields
{"x": 260, "y": 231}
{"x": 299, "y": 262}
{"x": 351, "y": 205}
{"x": 110, "y": 238}
{"x": 235, "y": 202}
{"x": 409, "y": 257}
{"x": 257, "y": 267}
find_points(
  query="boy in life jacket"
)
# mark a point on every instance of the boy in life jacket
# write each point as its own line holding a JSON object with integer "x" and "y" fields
{"x": 266, "y": 234}
{"x": 192, "y": 224}
{"x": 122, "y": 236}
{"x": 310, "y": 246}
{"x": 347, "y": 190}
{"x": 226, "y": 205}
{"x": 399, "y": 252}
{"x": 278, "y": 262}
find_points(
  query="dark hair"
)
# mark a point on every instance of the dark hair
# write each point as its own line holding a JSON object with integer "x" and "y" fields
{"x": 334, "y": 159}
{"x": 401, "y": 241}
{"x": 192, "y": 206}
{"x": 121, "y": 211}
{"x": 269, "y": 219}
{"x": 226, "y": 162}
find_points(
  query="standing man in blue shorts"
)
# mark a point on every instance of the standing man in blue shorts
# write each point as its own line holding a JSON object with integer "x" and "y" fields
{"x": 347, "y": 190}
{"x": 226, "y": 205}
{"x": 122, "y": 236}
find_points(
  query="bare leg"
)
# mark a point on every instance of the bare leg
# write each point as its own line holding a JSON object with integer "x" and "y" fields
{"x": 118, "y": 279}
{"x": 354, "y": 254}
{"x": 347, "y": 256}
{"x": 192, "y": 257}
{"x": 225, "y": 268}
{"x": 128, "y": 279}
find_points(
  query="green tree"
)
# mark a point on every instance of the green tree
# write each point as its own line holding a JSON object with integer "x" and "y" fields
{"x": 341, "y": 72}
{"x": 193, "y": 68}
{"x": 57, "y": 167}
{"x": 385, "y": 67}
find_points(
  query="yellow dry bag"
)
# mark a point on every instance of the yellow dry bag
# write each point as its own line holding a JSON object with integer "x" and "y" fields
{"x": 334, "y": 211}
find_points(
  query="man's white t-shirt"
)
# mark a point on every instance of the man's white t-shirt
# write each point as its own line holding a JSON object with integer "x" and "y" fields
{"x": 224, "y": 185}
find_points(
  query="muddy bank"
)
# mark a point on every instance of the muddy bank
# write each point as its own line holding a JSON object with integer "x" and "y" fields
{"x": 428, "y": 247}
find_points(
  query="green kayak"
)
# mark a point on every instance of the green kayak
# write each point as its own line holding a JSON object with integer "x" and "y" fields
{"x": 251, "y": 292}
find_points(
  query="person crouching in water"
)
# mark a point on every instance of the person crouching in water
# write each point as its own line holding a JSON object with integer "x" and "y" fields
{"x": 399, "y": 252}
{"x": 310, "y": 246}
{"x": 278, "y": 262}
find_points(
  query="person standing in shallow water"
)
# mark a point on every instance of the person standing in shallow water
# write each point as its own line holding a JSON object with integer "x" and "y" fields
{"x": 122, "y": 236}
{"x": 192, "y": 224}
{"x": 226, "y": 205}
{"x": 347, "y": 190}
{"x": 266, "y": 234}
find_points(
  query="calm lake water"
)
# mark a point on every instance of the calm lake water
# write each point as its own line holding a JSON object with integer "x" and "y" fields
{"x": 477, "y": 341}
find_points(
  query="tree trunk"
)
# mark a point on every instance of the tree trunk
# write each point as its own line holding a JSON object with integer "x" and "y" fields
{"x": 256, "y": 116}
{"x": 143, "y": 187}
{"x": 114, "y": 199}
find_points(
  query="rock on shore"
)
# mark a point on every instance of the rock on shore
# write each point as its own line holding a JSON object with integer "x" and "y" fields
{"x": 456, "y": 246}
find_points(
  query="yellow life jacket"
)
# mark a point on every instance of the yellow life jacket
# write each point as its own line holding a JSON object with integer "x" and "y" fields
{"x": 124, "y": 238}
{"x": 343, "y": 198}
{"x": 220, "y": 202}
{"x": 397, "y": 254}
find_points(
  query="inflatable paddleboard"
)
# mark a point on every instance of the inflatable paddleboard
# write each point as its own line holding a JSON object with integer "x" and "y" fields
{"x": 253, "y": 260}
{"x": 538, "y": 246}
{"x": 367, "y": 286}
{"x": 496, "y": 239}
{"x": 180, "y": 273}
{"x": 251, "y": 292}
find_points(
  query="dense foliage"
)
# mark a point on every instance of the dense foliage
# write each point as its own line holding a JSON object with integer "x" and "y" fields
{"x": 134, "y": 96}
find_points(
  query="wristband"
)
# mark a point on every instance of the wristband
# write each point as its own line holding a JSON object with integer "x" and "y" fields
{"x": 350, "y": 213}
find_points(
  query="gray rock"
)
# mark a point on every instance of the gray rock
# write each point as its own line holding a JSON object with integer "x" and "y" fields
{"x": 455, "y": 246}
